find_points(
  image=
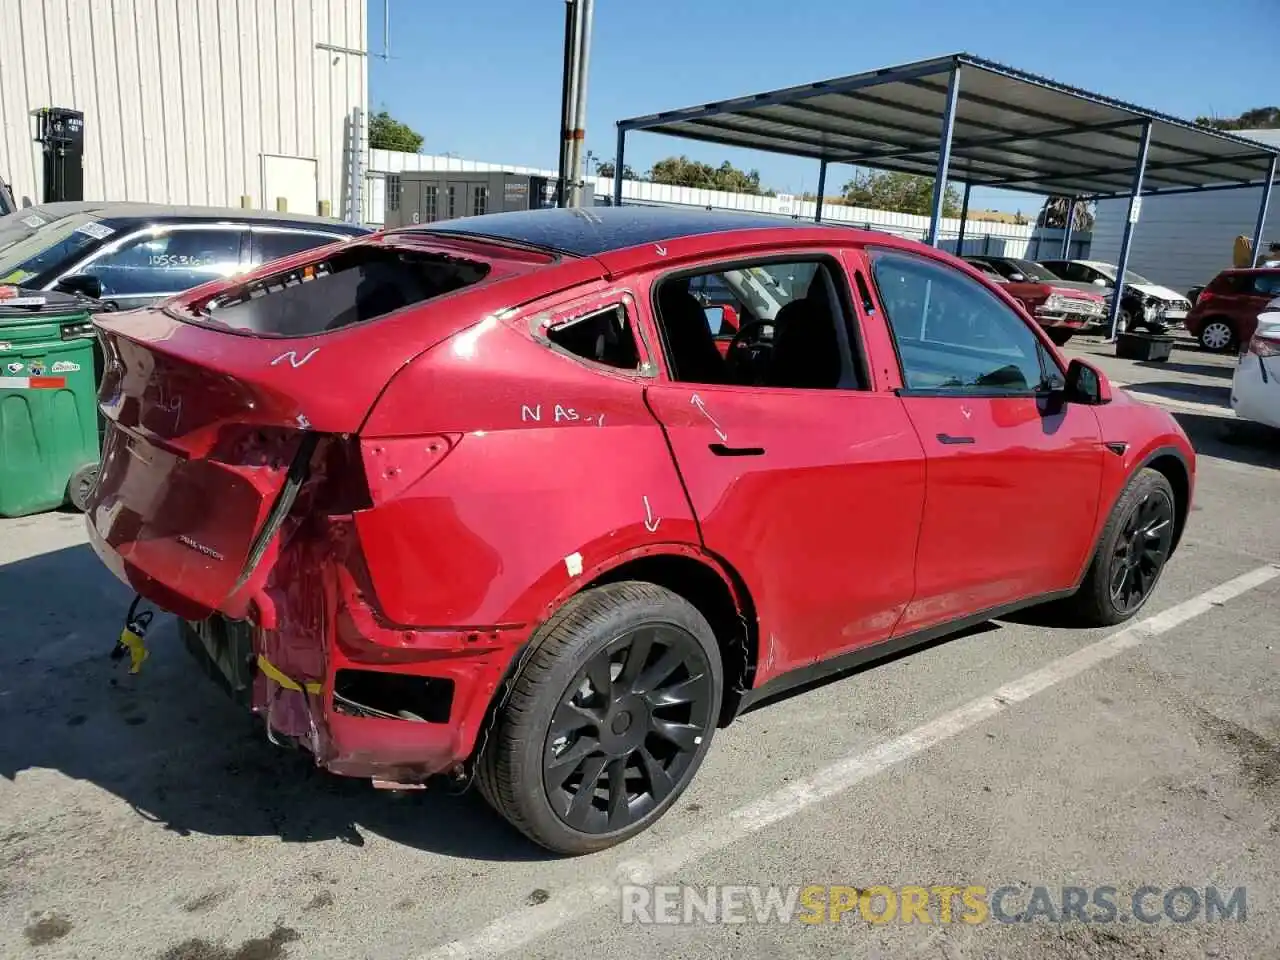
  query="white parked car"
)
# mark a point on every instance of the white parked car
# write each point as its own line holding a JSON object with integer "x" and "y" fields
{"x": 1255, "y": 391}
{"x": 1145, "y": 302}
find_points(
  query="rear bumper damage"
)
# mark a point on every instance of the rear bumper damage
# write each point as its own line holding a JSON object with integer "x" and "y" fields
{"x": 366, "y": 698}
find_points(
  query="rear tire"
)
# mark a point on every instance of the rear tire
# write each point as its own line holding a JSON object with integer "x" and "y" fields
{"x": 80, "y": 486}
{"x": 1131, "y": 553}
{"x": 621, "y": 687}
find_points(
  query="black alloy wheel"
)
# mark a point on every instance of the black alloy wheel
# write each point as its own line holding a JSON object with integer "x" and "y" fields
{"x": 609, "y": 714}
{"x": 628, "y": 728}
{"x": 1130, "y": 555}
{"x": 1140, "y": 552}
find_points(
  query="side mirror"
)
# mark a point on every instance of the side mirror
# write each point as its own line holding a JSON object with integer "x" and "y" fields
{"x": 1016, "y": 277}
{"x": 1099, "y": 282}
{"x": 1087, "y": 384}
{"x": 82, "y": 283}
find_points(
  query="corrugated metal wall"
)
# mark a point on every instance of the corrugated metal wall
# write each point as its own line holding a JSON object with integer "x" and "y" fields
{"x": 981, "y": 236}
{"x": 1184, "y": 240}
{"x": 182, "y": 98}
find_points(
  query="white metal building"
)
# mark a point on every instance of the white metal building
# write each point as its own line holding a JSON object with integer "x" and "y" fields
{"x": 190, "y": 101}
{"x": 1183, "y": 240}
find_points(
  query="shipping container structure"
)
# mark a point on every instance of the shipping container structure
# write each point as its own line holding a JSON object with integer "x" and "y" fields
{"x": 418, "y": 196}
{"x": 388, "y": 168}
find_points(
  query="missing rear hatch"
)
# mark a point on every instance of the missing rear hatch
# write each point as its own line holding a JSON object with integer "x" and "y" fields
{"x": 355, "y": 285}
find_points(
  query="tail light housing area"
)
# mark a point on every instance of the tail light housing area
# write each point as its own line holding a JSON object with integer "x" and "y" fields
{"x": 1261, "y": 346}
{"x": 392, "y": 465}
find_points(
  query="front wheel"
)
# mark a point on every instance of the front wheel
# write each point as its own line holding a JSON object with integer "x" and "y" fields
{"x": 1059, "y": 336}
{"x": 608, "y": 720}
{"x": 1217, "y": 337}
{"x": 1135, "y": 545}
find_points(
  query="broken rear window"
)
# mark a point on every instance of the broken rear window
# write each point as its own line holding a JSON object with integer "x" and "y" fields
{"x": 355, "y": 285}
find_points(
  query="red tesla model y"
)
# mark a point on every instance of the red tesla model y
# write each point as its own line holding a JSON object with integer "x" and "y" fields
{"x": 487, "y": 498}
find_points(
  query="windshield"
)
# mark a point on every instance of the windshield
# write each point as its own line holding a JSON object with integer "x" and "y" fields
{"x": 766, "y": 289}
{"x": 1129, "y": 276}
{"x": 1033, "y": 271}
{"x": 49, "y": 246}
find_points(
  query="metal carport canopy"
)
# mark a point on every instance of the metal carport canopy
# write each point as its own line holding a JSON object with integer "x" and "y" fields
{"x": 1011, "y": 129}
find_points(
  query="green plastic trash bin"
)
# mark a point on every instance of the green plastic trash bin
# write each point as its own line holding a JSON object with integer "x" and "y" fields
{"x": 49, "y": 430}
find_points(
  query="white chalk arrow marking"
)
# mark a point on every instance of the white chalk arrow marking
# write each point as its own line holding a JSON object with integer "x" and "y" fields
{"x": 650, "y": 521}
{"x": 697, "y": 402}
{"x": 660, "y": 249}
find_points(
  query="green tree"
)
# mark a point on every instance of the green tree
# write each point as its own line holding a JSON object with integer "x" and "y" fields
{"x": 388, "y": 133}
{"x": 898, "y": 192}
{"x": 605, "y": 169}
{"x": 1259, "y": 118}
{"x": 683, "y": 172}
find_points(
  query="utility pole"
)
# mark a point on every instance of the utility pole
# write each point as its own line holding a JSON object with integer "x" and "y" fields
{"x": 573, "y": 101}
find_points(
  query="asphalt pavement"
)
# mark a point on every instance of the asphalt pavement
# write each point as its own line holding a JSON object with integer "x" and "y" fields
{"x": 142, "y": 817}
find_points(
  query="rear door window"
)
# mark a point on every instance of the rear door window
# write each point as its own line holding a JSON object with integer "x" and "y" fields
{"x": 353, "y": 285}
{"x": 271, "y": 245}
{"x": 1225, "y": 283}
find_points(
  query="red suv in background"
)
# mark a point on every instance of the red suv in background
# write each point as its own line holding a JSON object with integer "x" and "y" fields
{"x": 1226, "y": 312}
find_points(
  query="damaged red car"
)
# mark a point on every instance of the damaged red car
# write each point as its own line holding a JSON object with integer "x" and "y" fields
{"x": 485, "y": 497}
{"x": 1061, "y": 310}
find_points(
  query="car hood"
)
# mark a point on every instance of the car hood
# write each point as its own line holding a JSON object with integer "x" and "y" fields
{"x": 1157, "y": 291}
{"x": 1077, "y": 285}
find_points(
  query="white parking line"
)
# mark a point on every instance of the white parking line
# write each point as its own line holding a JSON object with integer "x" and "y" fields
{"x": 512, "y": 932}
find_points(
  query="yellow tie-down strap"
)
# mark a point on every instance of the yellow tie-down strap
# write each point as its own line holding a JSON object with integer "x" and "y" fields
{"x": 272, "y": 671}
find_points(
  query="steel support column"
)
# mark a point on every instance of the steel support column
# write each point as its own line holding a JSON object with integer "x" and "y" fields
{"x": 1262, "y": 212}
{"x": 822, "y": 190}
{"x": 1135, "y": 205}
{"x": 567, "y": 81}
{"x": 964, "y": 215}
{"x": 617, "y": 166}
{"x": 1069, "y": 229}
{"x": 944, "y": 156}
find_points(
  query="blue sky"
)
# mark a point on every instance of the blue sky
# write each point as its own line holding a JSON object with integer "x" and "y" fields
{"x": 482, "y": 79}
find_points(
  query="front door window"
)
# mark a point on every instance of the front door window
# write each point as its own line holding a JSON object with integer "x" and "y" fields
{"x": 163, "y": 262}
{"x": 953, "y": 335}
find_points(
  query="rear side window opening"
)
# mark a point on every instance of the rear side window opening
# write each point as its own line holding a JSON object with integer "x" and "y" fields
{"x": 353, "y": 286}
{"x": 602, "y": 336}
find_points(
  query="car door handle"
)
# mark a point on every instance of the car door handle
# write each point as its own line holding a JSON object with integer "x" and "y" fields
{"x": 949, "y": 439}
{"x": 720, "y": 450}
